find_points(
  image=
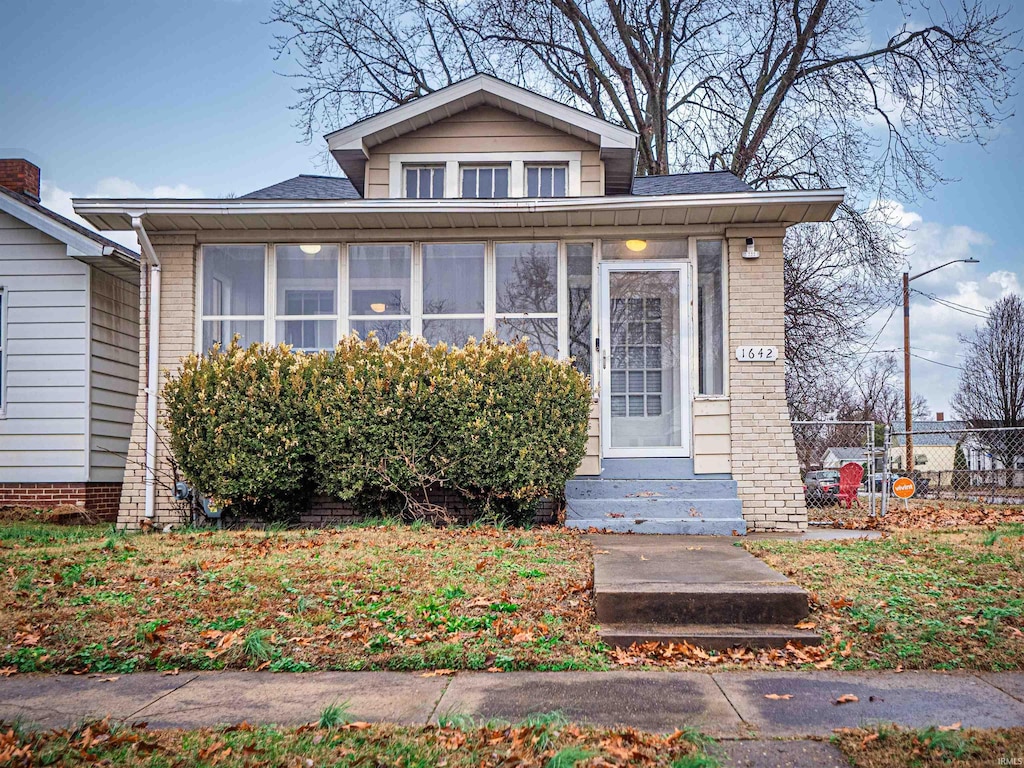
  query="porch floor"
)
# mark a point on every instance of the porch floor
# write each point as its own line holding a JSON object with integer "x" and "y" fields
{"x": 708, "y": 591}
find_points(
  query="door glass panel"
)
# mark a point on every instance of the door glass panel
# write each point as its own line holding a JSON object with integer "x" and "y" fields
{"x": 645, "y": 374}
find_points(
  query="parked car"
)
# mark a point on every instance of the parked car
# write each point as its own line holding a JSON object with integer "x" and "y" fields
{"x": 821, "y": 488}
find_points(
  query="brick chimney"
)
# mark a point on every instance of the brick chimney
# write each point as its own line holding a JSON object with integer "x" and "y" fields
{"x": 20, "y": 176}
{"x": 940, "y": 416}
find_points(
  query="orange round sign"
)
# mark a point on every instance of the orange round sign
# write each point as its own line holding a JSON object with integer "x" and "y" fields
{"x": 903, "y": 488}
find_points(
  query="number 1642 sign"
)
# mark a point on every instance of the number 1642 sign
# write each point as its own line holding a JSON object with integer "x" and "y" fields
{"x": 757, "y": 354}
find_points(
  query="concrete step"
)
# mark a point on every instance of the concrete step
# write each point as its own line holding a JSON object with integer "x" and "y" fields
{"x": 712, "y": 636}
{"x": 688, "y": 526}
{"x": 654, "y": 508}
{"x": 721, "y": 603}
{"x": 651, "y": 469}
{"x": 601, "y": 488}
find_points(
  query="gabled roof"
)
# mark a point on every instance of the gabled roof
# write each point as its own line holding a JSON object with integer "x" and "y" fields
{"x": 82, "y": 243}
{"x": 307, "y": 187}
{"x": 702, "y": 183}
{"x": 351, "y": 144}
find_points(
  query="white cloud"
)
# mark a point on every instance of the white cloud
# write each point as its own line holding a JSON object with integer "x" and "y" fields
{"x": 58, "y": 200}
{"x": 935, "y": 328}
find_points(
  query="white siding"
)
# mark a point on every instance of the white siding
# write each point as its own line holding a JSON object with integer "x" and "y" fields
{"x": 45, "y": 322}
{"x": 114, "y": 378}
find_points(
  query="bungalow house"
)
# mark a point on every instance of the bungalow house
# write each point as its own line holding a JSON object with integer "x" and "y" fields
{"x": 69, "y": 353}
{"x": 483, "y": 206}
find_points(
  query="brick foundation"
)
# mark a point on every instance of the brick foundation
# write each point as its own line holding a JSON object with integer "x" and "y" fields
{"x": 102, "y": 499}
{"x": 328, "y": 512}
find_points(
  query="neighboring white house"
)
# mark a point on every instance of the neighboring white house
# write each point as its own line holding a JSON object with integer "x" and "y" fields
{"x": 69, "y": 345}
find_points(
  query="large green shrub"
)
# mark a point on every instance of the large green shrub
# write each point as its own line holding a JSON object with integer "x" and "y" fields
{"x": 383, "y": 427}
{"x": 494, "y": 422}
{"x": 239, "y": 428}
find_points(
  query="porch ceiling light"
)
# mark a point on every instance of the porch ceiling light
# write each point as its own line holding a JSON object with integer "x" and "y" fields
{"x": 378, "y": 306}
{"x": 312, "y": 250}
{"x": 636, "y": 246}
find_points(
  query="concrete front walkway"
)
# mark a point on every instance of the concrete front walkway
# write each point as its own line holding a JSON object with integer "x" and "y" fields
{"x": 729, "y": 705}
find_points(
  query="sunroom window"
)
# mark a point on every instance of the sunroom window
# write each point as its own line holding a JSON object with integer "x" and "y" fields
{"x": 710, "y": 318}
{"x": 485, "y": 181}
{"x": 453, "y": 292}
{"x": 233, "y": 296}
{"x": 581, "y": 304}
{"x": 526, "y": 300}
{"x": 307, "y": 296}
{"x": 546, "y": 180}
{"x": 380, "y": 290}
{"x": 424, "y": 181}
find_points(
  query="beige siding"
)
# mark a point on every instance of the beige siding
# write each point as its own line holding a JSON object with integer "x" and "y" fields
{"x": 764, "y": 462}
{"x": 114, "y": 350}
{"x": 591, "y": 464}
{"x": 712, "y": 448}
{"x": 45, "y": 310}
{"x": 483, "y": 129}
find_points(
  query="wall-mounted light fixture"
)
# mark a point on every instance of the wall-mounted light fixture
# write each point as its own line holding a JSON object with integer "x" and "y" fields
{"x": 312, "y": 249}
{"x": 636, "y": 246}
{"x": 750, "y": 253}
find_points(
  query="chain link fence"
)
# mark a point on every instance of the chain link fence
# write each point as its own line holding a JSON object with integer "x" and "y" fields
{"x": 823, "y": 447}
{"x": 957, "y": 462}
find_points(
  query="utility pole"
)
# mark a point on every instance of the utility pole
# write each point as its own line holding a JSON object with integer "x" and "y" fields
{"x": 908, "y": 422}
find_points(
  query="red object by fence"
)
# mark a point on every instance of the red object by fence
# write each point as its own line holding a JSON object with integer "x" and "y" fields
{"x": 849, "y": 481}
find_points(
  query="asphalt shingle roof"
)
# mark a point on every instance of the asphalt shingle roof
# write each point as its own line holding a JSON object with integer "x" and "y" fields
{"x": 931, "y": 432}
{"x": 706, "y": 183}
{"x": 307, "y": 187}
{"x": 91, "y": 234}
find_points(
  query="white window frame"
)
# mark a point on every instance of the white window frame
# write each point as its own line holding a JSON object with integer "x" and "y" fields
{"x": 268, "y": 294}
{"x": 540, "y": 168}
{"x": 274, "y": 316}
{"x": 695, "y": 341}
{"x": 463, "y": 167}
{"x": 516, "y": 161}
{"x": 434, "y": 167}
{"x": 415, "y": 317}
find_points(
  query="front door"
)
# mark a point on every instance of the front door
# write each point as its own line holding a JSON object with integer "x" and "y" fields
{"x": 645, "y": 393}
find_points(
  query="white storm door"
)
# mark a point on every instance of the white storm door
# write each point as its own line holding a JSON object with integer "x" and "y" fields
{"x": 645, "y": 389}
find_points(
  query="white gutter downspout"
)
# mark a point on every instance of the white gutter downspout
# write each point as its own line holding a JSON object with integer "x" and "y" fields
{"x": 153, "y": 364}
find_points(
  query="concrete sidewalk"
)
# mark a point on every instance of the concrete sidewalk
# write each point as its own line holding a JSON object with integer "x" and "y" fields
{"x": 730, "y": 705}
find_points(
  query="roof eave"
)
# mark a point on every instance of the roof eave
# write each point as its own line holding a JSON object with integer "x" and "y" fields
{"x": 778, "y": 207}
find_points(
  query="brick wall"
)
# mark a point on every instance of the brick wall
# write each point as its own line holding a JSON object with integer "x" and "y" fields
{"x": 99, "y": 498}
{"x": 764, "y": 462}
{"x": 177, "y": 333}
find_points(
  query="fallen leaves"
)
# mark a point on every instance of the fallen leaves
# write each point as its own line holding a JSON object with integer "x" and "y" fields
{"x": 846, "y": 698}
{"x": 793, "y": 654}
{"x": 779, "y": 696}
{"x": 438, "y": 673}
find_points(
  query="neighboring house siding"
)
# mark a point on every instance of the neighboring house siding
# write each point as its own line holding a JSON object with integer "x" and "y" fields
{"x": 42, "y": 432}
{"x": 114, "y": 350}
{"x": 483, "y": 129}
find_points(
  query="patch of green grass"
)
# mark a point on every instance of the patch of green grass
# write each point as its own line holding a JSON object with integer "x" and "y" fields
{"x": 334, "y": 715}
{"x": 568, "y": 757}
{"x": 257, "y": 645}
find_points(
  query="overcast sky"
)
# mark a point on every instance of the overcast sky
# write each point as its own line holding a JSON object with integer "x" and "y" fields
{"x": 118, "y": 98}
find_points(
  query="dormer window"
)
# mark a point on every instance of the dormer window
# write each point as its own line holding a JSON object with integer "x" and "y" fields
{"x": 546, "y": 180}
{"x": 485, "y": 181}
{"x": 424, "y": 181}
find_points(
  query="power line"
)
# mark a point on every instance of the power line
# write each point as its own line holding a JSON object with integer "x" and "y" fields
{"x": 936, "y": 362}
{"x": 953, "y": 305}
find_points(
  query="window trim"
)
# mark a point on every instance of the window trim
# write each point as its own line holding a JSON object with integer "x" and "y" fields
{"x": 268, "y": 295}
{"x": 696, "y": 345}
{"x": 463, "y": 167}
{"x": 516, "y": 161}
{"x": 419, "y": 168}
{"x": 540, "y": 167}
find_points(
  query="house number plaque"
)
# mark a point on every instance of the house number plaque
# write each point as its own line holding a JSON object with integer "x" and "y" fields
{"x": 757, "y": 354}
